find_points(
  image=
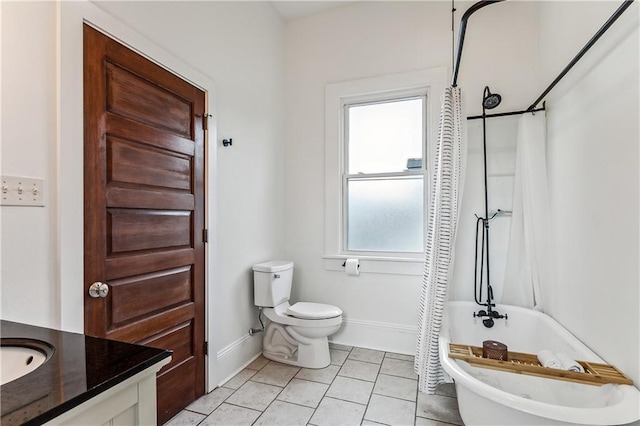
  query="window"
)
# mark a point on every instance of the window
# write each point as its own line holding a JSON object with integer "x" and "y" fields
{"x": 378, "y": 141}
{"x": 383, "y": 175}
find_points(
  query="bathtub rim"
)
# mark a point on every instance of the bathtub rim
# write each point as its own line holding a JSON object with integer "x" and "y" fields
{"x": 626, "y": 411}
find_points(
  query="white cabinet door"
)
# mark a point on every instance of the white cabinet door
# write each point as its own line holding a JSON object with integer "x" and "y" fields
{"x": 132, "y": 402}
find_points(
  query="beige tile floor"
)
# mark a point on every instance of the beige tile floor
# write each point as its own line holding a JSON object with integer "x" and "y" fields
{"x": 360, "y": 387}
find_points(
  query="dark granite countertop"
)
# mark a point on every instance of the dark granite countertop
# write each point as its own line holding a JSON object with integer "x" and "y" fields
{"x": 80, "y": 368}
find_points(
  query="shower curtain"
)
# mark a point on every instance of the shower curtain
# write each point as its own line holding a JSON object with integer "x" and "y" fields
{"x": 527, "y": 263}
{"x": 445, "y": 195}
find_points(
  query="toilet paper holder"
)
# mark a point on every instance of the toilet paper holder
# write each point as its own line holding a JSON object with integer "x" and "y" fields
{"x": 344, "y": 264}
{"x": 352, "y": 267}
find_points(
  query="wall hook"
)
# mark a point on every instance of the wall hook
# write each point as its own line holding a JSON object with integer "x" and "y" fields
{"x": 227, "y": 142}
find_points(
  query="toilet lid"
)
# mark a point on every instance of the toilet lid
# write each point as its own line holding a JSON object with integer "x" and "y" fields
{"x": 308, "y": 310}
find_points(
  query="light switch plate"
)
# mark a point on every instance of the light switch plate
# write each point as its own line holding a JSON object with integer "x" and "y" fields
{"x": 22, "y": 191}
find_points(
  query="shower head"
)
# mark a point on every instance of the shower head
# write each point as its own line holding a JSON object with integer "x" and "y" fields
{"x": 490, "y": 100}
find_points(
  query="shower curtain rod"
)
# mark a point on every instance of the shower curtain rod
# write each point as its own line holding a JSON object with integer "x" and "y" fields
{"x": 624, "y": 6}
{"x": 479, "y": 5}
{"x": 504, "y": 114}
{"x": 463, "y": 29}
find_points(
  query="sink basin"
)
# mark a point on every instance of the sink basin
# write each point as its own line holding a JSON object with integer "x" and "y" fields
{"x": 19, "y": 357}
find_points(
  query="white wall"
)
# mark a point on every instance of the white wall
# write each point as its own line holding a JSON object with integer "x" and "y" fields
{"x": 237, "y": 44}
{"x": 368, "y": 39}
{"x": 29, "y": 289}
{"x": 593, "y": 161}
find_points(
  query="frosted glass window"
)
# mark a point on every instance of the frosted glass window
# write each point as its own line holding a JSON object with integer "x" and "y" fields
{"x": 386, "y": 136}
{"x": 383, "y": 175}
{"x": 385, "y": 215}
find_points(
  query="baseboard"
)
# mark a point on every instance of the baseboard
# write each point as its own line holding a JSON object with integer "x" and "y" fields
{"x": 235, "y": 345}
{"x": 236, "y": 356}
{"x": 376, "y": 335}
{"x": 381, "y": 336}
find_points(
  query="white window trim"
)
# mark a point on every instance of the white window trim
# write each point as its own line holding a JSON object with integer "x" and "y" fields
{"x": 430, "y": 82}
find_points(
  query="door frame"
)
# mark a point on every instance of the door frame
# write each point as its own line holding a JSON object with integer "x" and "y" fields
{"x": 70, "y": 220}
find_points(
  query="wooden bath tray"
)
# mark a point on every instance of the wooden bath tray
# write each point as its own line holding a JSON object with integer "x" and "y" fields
{"x": 528, "y": 364}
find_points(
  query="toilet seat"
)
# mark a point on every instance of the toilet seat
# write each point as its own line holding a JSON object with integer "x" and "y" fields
{"x": 314, "y": 311}
{"x": 279, "y": 315}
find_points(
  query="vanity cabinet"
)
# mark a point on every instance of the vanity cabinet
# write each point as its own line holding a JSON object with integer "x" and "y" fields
{"x": 85, "y": 381}
{"x": 132, "y": 402}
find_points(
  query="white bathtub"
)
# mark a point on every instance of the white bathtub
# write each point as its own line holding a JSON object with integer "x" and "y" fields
{"x": 491, "y": 397}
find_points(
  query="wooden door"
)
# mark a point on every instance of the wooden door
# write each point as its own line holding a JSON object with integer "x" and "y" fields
{"x": 144, "y": 211}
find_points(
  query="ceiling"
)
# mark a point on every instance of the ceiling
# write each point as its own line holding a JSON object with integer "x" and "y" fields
{"x": 296, "y": 8}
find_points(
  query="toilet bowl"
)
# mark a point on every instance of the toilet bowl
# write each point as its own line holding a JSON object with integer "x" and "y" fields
{"x": 295, "y": 334}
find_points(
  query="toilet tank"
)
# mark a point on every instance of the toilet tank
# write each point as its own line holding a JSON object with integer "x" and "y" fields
{"x": 272, "y": 283}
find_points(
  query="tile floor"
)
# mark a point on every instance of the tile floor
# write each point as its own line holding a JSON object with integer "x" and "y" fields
{"x": 360, "y": 387}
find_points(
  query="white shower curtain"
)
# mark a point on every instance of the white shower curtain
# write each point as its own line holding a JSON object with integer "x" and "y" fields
{"x": 527, "y": 264}
{"x": 445, "y": 195}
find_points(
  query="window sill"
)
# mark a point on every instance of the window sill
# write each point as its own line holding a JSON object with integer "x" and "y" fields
{"x": 377, "y": 264}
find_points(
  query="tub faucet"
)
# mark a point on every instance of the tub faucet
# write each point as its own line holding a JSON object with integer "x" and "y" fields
{"x": 489, "y": 315}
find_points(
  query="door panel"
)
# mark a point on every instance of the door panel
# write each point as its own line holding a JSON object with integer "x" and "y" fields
{"x": 180, "y": 390}
{"x": 160, "y": 290}
{"x": 118, "y": 267}
{"x": 147, "y": 198}
{"x": 130, "y": 230}
{"x": 144, "y": 211}
{"x": 140, "y": 100}
{"x": 129, "y": 129}
{"x": 131, "y": 162}
{"x": 179, "y": 338}
{"x": 144, "y": 328}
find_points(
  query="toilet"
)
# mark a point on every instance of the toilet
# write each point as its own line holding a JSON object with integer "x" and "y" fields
{"x": 296, "y": 334}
